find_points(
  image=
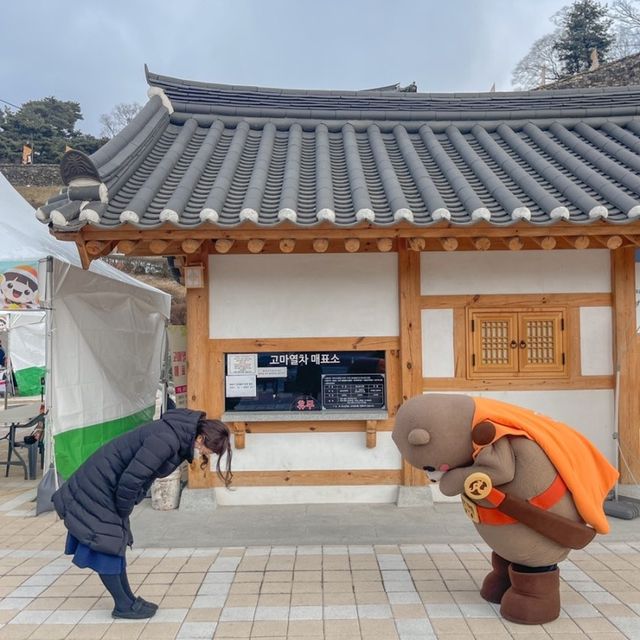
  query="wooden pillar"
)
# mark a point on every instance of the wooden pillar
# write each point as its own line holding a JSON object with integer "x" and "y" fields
{"x": 198, "y": 364}
{"x": 627, "y": 358}
{"x": 410, "y": 338}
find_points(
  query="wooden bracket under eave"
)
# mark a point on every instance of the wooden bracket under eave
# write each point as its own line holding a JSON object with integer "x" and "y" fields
{"x": 372, "y": 433}
{"x": 85, "y": 258}
{"x": 239, "y": 432}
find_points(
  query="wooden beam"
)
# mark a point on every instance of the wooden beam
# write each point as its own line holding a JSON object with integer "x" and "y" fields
{"x": 516, "y": 300}
{"x": 449, "y": 244}
{"x": 255, "y": 245}
{"x": 96, "y": 248}
{"x": 627, "y": 360}
{"x": 158, "y": 246}
{"x": 191, "y": 245}
{"x": 366, "y": 231}
{"x": 410, "y": 338}
{"x": 417, "y": 244}
{"x": 223, "y": 245}
{"x": 614, "y": 242}
{"x": 308, "y": 478}
{"x": 581, "y": 242}
{"x": 548, "y": 243}
{"x": 320, "y": 245}
{"x": 348, "y": 343}
{"x": 635, "y": 240}
{"x": 384, "y": 244}
{"x": 514, "y": 244}
{"x": 482, "y": 244}
{"x": 463, "y": 385}
{"x": 85, "y": 258}
{"x": 127, "y": 246}
{"x": 352, "y": 244}
{"x": 287, "y": 245}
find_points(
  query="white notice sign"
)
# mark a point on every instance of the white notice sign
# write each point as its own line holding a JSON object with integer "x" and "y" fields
{"x": 242, "y": 364}
{"x": 272, "y": 372}
{"x": 241, "y": 386}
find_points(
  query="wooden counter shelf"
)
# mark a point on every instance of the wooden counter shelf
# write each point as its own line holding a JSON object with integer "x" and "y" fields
{"x": 240, "y": 421}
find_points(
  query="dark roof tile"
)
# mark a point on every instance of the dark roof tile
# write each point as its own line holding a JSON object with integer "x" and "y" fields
{"x": 202, "y": 153}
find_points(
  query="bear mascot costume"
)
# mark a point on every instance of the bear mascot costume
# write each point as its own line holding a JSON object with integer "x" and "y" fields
{"x": 533, "y": 487}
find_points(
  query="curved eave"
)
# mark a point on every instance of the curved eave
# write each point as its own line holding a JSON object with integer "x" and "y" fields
{"x": 555, "y": 227}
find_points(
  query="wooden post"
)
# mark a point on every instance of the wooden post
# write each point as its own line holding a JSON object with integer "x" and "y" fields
{"x": 627, "y": 358}
{"x": 198, "y": 364}
{"x": 372, "y": 431}
{"x": 410, "y": 338}
{"x": 239, "y": 432}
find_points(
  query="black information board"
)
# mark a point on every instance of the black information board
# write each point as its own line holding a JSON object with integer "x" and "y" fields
{"x": 354, "y": 391}
{"x": 293, "y": 380}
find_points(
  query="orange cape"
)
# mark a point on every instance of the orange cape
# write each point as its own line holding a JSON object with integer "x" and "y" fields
{"x": 587, "y": 474}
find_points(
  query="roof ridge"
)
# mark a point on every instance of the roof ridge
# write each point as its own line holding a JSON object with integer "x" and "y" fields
{"x": 155, "y": 79}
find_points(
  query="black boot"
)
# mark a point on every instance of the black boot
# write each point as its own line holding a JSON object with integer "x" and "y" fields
{"x": 125, "y": 606}
{"x": 124, "y": 580}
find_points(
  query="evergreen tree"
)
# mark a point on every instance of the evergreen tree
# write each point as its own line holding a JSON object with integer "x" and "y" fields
{"x": 48, "y": 126}
{"x": 585, "y": 27}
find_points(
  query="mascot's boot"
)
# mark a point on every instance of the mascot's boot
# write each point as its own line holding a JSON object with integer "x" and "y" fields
{"x": 534, "y": 598}
{"x": 497, "y": 582}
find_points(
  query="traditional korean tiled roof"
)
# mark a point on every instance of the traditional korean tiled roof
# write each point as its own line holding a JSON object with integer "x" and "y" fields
{"x": 208, "y": 154}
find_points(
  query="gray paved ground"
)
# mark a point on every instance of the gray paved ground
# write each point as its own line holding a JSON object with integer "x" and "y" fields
{"x": 318, "y": 524}
{"x": 317, "y": 572}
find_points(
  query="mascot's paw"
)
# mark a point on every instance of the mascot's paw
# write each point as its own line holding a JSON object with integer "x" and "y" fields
{"x": 534, "y": 598}
{"x": 497, "y": 582}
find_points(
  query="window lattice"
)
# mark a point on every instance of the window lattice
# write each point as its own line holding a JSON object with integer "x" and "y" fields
{"x": 495, "y": 342}
{"x": 541, "y": 340}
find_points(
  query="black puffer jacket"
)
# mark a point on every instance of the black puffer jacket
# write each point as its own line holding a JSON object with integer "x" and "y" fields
{"x": 96, "y": 501}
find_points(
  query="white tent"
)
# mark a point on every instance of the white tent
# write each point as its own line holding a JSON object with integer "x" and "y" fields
{"x": 105, "y": 335}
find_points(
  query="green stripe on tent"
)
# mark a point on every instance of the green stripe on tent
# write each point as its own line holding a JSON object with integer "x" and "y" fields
{"x": 28, "y": 381}
{"x": 73, "y": 447}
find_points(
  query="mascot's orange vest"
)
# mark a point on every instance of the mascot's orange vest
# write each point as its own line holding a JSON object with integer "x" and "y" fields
{"x": 587, "y": 474}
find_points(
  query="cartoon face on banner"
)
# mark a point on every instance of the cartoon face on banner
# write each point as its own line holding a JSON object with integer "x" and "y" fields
{"x": 19, "y": 286}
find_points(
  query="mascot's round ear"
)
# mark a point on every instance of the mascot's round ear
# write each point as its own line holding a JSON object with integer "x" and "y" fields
{"x": 419, "y": 437}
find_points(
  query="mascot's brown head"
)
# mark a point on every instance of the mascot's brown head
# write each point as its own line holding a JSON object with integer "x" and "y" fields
{"x": 433, "y": 432}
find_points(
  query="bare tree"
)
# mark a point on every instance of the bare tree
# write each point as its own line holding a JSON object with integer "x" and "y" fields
{"x": 626, "y": 16}
{"x": 540, "y": 65}
{"x": 118, "y": 118}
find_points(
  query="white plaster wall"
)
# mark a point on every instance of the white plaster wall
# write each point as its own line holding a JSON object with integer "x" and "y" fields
{"x": 315, "y": 451}
{"x": 355, "y": 494}
{"x": 495, "y": 272}
{"x": 589, "y": 412}
{"x": 596, "y": 341}
{"x": 437, "y": 343}
{"x": 289, "y": 296}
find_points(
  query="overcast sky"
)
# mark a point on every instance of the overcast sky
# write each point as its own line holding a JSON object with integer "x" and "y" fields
{"x": 93, "y": 51}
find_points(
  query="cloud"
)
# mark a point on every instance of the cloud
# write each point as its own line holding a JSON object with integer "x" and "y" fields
{"x": 93, "y": 51}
